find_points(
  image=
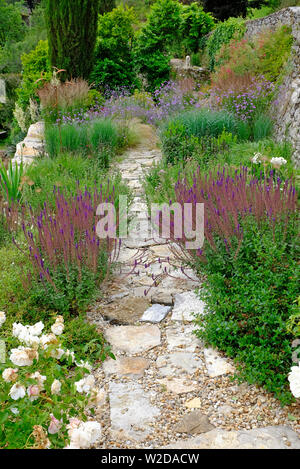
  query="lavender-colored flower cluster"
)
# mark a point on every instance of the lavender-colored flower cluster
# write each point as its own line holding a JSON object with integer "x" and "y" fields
{"x": 168, "y": 99}
{"x": 244, "y": 104}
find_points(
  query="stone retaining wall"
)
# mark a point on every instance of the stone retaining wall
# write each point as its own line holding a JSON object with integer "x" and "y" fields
{"x": 287, "y": 106}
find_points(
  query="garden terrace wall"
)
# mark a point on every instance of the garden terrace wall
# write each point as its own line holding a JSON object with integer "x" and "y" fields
{"x": 286, "y": 109}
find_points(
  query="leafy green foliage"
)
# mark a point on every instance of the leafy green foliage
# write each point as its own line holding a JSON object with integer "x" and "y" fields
{"x": 153, "y": 41}
{"x": 72, "y": 30}
{"x": 10, "y": 181}
{"x": 35, "y": 65}
{"x": 11, "y": 23}
{"x": 195, "y": 25}
{"x": 222, "y": 34}
{"x": 250, "y": 296}
{"x": 114, "y": 62}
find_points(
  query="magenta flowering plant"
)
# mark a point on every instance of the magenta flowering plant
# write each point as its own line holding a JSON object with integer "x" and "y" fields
{"x": 69, "y": 260}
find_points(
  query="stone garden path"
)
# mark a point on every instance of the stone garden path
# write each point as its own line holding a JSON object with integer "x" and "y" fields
{"x": 165, "y": 388}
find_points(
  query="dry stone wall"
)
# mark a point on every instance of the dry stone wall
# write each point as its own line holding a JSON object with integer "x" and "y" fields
{"x": 286, "y": 108}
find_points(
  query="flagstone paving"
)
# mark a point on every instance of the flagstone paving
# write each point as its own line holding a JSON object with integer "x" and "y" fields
{"x": 165, "y": 385}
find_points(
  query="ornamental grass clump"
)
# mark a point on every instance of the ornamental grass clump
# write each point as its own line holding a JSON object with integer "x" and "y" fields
{"x": 69, "y": 260}
{"x": 250, "y": 262}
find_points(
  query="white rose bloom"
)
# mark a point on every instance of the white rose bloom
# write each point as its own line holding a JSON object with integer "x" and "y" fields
{"x": 40, "y": 378}
{"x": 17, "y": 391}
{"x": 58, "y": 327}
{"x": 85, "y": 435}
{"x": 278, "y": 161}
{"x": 10, "y": 374}
{"x": 23, "y": 356}
{"x": 83, "y": 364}
{"x": 46, "y": 339}
{"x": 57, "y": 353}
{"x": 55, "y": 387}
{"x": 85, "y": 385}
{"x": 28, "y": 334}
{"x": 2, "y": 318}
{"x": 294, "y": 379}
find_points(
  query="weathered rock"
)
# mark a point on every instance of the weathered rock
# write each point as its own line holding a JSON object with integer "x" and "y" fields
{"x": 177, "y": 385}
{"x": 156, "y": 313}
{"x": 216, "y": 365}
{"x": 124, "y": 311}
{"x": 126, "y": 366}
{"x": 195, "y": 422}
{"x": 130, "y": 411}
{"x": 169, "y": 365}
{"x": 133, "y": 339}
{"x": 181, "y": 336}
{"x": 163, "y": 298}
{"x": 186, "y": 305}
{"x": 32, "y": 146}
{"x": 275, "y": 437}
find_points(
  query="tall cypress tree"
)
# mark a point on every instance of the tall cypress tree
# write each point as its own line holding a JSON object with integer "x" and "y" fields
{"x": 72, "y": 32}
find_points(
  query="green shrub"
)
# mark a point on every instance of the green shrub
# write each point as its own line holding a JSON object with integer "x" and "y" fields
{"x": 35, "y": 65}
{"x": 154, "y": 40}
{"x": 250, "y": 297}
{"x": 114, "y": 63}
{"x": 195, "y": 25}
{"x": 222, "y": 34}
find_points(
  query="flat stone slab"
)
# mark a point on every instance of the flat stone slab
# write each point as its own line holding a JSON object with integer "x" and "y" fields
{"x": 273, "y": 437}
{"x": 185, "y": 305}
{"x": 215, "y": 364}
{"x": 195, "y": 422}
{"x": 126, "y": 366}
{"x": 178, "y": 385}
{"x": 161, "y": 297}
{"x": 124, "y": 310}
{"x": 169, "y": 365}
{"x": 156, "y": 313}
{"x": 193, "y": 403}
{"x": 131, "y": 411}
{"x": 182, "y": 336}
{"x": 133, "y": 339}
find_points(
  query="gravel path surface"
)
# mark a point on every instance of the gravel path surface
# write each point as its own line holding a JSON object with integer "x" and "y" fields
{"x": 166, "y": 389}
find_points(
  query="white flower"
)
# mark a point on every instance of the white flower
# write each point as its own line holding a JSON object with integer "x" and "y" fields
{"x": 58, "y": 327}
{"x": 56, "y": 387}
{"x": 57, "y": 353}
{"x": 294, "y": 379}
{"x": 278, "y": 161}
{"x": 33, "y": 392}
{"x": 23, "y": 356}
{"x": 55, "y": 425}
{"x": 2, "y": 318}
{"x": 10, "y": 374}
{"x": 46, "y": 339}
{"x": 15, "y": 410}
{"x": 28, "y": 334}
{"x": 84, "y": 385}
{"x": 40, "y": 378}
{"x": 83, "y": 364}
{"x": 17, "y": 391}
{"x": 84, "y": 435}
{"x": 256, "y": 158}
